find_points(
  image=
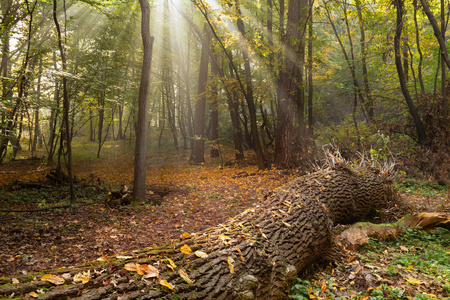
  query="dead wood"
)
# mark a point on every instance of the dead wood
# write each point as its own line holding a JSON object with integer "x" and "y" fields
{"x": 255, "y": 255}
{"x": 359, "y": 234}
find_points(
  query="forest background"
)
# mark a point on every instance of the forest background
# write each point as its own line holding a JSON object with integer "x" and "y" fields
{"x": 259, "y": 84}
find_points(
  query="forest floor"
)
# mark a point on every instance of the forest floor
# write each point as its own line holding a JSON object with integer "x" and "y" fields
{"x": 196, "y": 197}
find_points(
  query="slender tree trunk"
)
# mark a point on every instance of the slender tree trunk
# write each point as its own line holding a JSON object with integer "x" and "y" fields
{"x": 420, "y": 129}
{"x": 350, "y": 64}
{"x": 66, "y": 106}
{"x": 141, "y": 133}
{"x": 437, "y": 33}
{"x": 262, "y": 160}
{"x": 419, "y": 50}
{"x": 310, "y": 73}
{"x": 369, "y": 102}
{"x": 198, "y": 149}
{"x": 214, "y": 122}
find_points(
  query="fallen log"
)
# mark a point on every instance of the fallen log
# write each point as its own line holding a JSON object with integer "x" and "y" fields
{"x": 359, "y": 234}
{"x": 255, "y": 255}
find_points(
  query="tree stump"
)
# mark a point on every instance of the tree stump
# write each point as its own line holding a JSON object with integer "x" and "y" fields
{"x": 255, "y": 255}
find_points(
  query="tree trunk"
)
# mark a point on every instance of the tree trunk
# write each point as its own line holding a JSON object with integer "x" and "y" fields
{"x": 141, "y": 132}
{"x": 286, "y": 139}
{"x": 419, "y": 50}
{"x": 420, "y": 129}
{"x": 255, "y": 255}
{"x": 263, "y": 162}
{"x": 198, "y": 145}
{"x": 66, "y": 104}
{"x": 310, "y": 78}
{"x": 369, "y": 103}
{"x": 214, "y": 111}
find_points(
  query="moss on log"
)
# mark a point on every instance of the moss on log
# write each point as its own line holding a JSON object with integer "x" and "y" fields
{"x": 255, "y": 255}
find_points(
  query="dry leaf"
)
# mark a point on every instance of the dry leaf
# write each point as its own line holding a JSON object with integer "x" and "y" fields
{"x": 414, "y": 281}
{"x": 56, "y": 280}
{"x": 185, "y": 249}
{"x": 287, "y": 224}
{"x": 230, "y": 262}
{"x": 148, "y": 271}
{"x": 33, "y": 294}
{"x": 185, "y": 235}
{"x": 83, "y": 277}
{"x": 184, "y": 276}
{"x": 166, "y": 284}
{"x": 131, "y": 267}
{"x": 15, "y": 281}
{"x": 201, "y": 254}
{"x": 243, "y": 258}
{"x": 324, "y": 286}
{"x": 171, "y": 264}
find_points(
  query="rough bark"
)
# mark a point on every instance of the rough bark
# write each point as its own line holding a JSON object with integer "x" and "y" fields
{"x": 255, "y": 255}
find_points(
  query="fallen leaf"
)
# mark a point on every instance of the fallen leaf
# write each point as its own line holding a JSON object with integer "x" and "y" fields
{"x": 185, "y": 249}
{"x": 184, "y": 276}
{"x": 185, "y": 235}
{"x": 414, "y": 281}
{"x": 148, "y": 271}
{"x": 324, "y": 286}
{"x": 403, "y": 248}
{"x": 166, "y": 284}
{"x": 230, "y": 262}
{"x": 56, "y": 280}
{"x": 15, "y": 281}
{"x": 83, "y": 277}
{"x": 123, "y": 257}
{"x": 201, "y": 254}
{"x": 33, "y": 294}
{"x": 171, "y": 264}
{"x": 131, "y": 267}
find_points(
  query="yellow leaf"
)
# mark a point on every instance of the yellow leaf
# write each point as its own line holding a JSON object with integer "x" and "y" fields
{"x": 201, "y": 254}
{"x": 243, "y": 258}
{"x": 184, "y": 276}
{"x": 414, "y": 281}
{"x": 185, "y": 235}
{"x": 15, "y": 281}
{"x": 56, "y": 280}
{"x": 83, "y": 277}
{"x": 33, "y": 294}
{"x": 148, "y": 271}
{"x": 230, "y": 262}
{"x": 131, "y": 267}
{"x": 166, "y": 284}
{"x": 185, "y": 249}
{"x": 238, "y": 250}
{"x": 312, "y": 296}
{"x": 171, "y": 264}
{"x": 323, "y": 288}
{"x": 287, "y": 224}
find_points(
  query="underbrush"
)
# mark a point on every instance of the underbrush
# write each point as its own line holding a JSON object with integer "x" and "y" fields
{"x": 416, "y": 265}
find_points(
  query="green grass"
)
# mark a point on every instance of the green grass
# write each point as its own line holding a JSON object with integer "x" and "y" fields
{"x": 423, "y": 189}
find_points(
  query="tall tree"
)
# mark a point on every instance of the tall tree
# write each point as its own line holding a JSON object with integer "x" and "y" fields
{"x": 286, "y": 139}
{"x": 198, "y": 146}
{"x": 66, "y": 104}
{"x": 420, "y": 129}
{"x": 141, "y": 129}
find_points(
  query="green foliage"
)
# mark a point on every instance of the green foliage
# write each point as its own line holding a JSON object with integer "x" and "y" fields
{"x": 416, "y": 258}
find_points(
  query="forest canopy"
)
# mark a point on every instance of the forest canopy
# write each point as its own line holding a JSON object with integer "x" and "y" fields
{"x": 281, "y": 78}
